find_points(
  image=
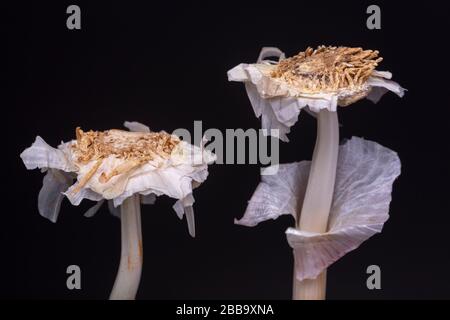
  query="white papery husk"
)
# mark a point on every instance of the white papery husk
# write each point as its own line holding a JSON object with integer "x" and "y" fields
{"x": 175, "y": 177}
{"x": 364, "y": 177}
{"x": 279, "y": 104}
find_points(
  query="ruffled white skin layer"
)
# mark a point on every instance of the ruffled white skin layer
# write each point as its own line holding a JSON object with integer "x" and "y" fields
{"x": 279, "y": 105}
{"x": 175, "y": 177}
{"x": 364, "y": 178}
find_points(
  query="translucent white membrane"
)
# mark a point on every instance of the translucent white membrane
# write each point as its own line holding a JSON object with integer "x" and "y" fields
{"x": 364, "y": 178}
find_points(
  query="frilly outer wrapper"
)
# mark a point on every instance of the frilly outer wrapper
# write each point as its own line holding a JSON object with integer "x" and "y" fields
{"x": 279, "y": 105}
{"x": 175, "y": 177}
{"x": 364, "y": 178}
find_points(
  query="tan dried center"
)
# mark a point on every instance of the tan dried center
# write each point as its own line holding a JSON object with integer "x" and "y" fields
{"x": 328, "y": 69}
{"x": 136, "y": 148}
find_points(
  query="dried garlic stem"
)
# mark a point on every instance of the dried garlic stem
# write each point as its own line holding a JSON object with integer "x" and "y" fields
{"x": 129, "y": 274}
{"x": 318, "y": 196}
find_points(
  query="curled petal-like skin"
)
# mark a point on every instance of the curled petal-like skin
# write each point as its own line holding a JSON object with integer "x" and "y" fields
{"x": 136, "y": 126}
{"x": 93, "y": 210}
{"x": 75, "y": 198}
{"x": 148, "y": 199}
{"x": 41, "y": 155}
{"x": 184, "y": 207}
{"x": 277, "y": 194}
{"x": 364, "y": 178}
{"x": 279, "y": 104}
{"x": 51, "y": 194}
{"x": 115, "y": 211}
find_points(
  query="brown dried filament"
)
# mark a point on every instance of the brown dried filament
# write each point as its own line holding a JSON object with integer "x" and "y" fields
{"x": 136, "y": 148}
{"x": 328, "y": 69}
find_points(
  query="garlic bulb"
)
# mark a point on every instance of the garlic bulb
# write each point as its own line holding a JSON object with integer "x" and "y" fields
{"x": 323, "y": 78}
{"x": 115, "y": 164}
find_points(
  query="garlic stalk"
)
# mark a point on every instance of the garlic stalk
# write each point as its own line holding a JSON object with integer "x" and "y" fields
{"x": 122, "y": 168}
{"x": 130, "y": 268}
{"x": 318, "y": 197}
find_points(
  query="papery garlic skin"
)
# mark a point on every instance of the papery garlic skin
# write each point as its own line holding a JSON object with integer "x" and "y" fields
{"x": 279, "y": 103}
{"x": 364, "y": 177}
{"x": 176, "y": 175}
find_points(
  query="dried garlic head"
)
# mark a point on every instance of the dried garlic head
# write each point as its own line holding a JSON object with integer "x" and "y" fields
{"x": 324, "y": 78}
{"x": 329, "y": 69}
{"x": 115, "y": 164}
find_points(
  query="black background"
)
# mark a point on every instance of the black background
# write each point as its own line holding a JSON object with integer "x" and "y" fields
{"x": 164, "y": 64}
